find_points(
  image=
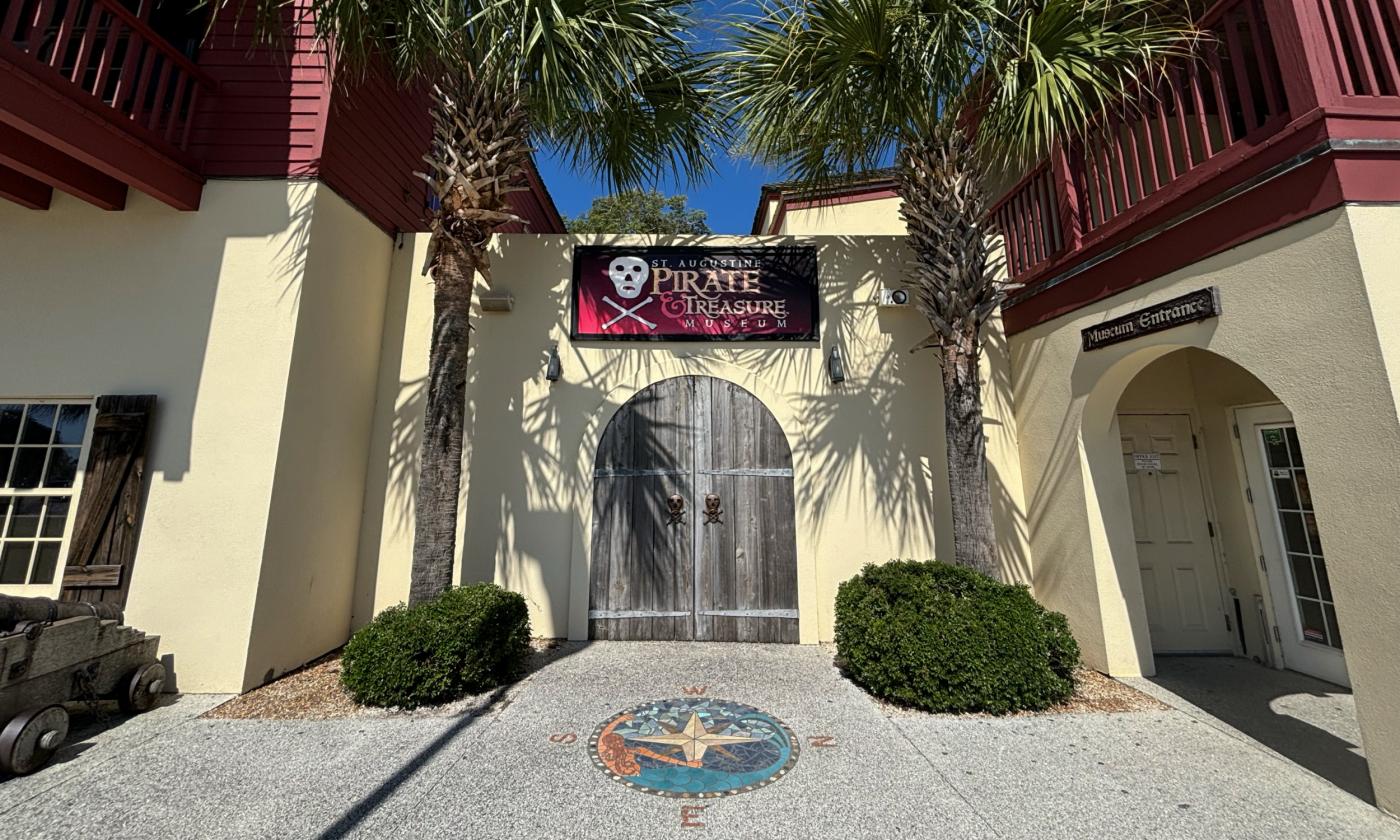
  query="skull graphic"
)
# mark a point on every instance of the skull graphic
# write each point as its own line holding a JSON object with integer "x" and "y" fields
{"x": 628, "y": 274}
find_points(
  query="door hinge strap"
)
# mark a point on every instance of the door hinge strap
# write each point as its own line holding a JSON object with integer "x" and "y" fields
{"x": 751, "y": 613}
{"x": 592, "y": 614}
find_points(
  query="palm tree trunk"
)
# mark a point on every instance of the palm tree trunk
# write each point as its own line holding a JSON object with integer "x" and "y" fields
{"x": 440, "y": 472}
{"x": 957, "y": 288}
{"x": 974, "y": 538}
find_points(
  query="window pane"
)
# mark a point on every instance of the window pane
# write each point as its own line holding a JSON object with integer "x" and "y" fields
{"x": 1303, "y": 582}
{"x": 6, "y": 453}
{"x": 9, "y": 422}
{"x": 1293, "y": 533}
{"x": 1293, "y": 447}
{"x": 45, "y": 561}
{"x": 1332, "y": 627}
{"x": 72, "y": 422}
{"x": 1275, "y": 448}
{"x": 24, "y": 522}
{"x": 29, "y": 463}
{"x": 38, "y": 424}
{"x": 1314, "y": 626}
{"x": 1287, "y": 498}
{"x": 63, "y": 467}
{"x": 14, "y": 561}
{"x": 55, "y": 517}
{"x": 1323, "y": 584}
{"x": 1310, "y": 522}
{"x": 1304, "y": 493}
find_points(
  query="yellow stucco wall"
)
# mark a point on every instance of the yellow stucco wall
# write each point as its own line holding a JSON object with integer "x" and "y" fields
{"x": 234, "y": 323}
{"x": 876, "y": 217}
{"x": 870, "y": 482}
{"x": 1298, "y": 315}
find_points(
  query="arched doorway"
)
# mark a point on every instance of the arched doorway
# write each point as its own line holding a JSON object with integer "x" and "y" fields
{"x": 693, "y": 519}
{"x": 1228, "y": 547}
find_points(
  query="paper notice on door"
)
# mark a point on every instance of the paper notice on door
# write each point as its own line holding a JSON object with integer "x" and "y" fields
{"x": 1144, "y": 461}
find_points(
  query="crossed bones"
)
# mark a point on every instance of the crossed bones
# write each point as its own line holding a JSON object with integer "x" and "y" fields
{"x": 628, "y": 313}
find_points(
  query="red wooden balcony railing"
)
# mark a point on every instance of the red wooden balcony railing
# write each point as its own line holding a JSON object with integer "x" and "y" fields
{"x": 1199, "y": 119}
{"x": 112, "y": 55}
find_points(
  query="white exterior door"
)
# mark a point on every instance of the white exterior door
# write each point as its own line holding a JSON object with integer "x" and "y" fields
{"x": 1180, "y": 581}
{"x": 1305, "y": 618}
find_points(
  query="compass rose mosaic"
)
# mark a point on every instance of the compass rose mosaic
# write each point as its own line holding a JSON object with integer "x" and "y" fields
{"x": 695, "y": 748}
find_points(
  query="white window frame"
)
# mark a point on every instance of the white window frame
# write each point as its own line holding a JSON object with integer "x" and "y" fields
{"x": 52, "y": 589}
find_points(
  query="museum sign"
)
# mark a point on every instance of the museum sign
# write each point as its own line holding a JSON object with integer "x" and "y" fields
{"x": 1187, "y": 309}
{"x": 695, "y": 294}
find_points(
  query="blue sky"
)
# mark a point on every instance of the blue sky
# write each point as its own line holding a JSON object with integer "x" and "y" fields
{"x": 728, "y": 197}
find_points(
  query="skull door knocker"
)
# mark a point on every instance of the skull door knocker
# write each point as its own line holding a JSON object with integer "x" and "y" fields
{"x": 676, "y": 506}
{"x": 712, "y": 510}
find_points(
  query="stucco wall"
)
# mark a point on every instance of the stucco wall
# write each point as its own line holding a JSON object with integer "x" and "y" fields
{"x": 307, "y": 583}
{"x": 870, "y": 482}
{"x": 204, "y": 310}
{"x": 1298, "y": 315}
{"x": 875, "y": 217}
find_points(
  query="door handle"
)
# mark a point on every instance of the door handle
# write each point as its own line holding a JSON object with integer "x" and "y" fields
{"x": 675, "y": 505}
{"x": 712, "y": 509}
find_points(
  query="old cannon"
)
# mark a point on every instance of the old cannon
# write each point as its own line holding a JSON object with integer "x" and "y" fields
{"x": 57, "y": 652}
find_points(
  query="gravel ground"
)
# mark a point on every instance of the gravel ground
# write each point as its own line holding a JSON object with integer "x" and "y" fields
{"x": 314, "y": 692}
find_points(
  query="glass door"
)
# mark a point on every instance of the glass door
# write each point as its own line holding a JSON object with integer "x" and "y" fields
{"x": 1293, "y": 557}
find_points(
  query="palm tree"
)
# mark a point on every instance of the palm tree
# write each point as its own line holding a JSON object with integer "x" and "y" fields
{"x": 953, "y": 91}
{"x": 615, "y": 85}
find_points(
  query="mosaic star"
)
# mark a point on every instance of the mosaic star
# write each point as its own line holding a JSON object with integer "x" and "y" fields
{"x": 694, "y": 739}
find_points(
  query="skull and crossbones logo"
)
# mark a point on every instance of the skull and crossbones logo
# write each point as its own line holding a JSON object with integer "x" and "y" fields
{"x": 629, "y": 276}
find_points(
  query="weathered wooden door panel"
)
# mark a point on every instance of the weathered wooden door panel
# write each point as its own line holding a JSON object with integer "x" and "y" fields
{"x": 728, "y": 577}
{"x": 643, "y": 571}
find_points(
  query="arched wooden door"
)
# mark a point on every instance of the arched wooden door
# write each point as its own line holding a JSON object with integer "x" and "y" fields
{"x": 665, "y": 565}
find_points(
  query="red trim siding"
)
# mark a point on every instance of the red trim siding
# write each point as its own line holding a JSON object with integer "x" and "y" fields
{"x": 375, "y": 139}
{"x": 270, "y": 112}
{"x": 1319, "y": 185}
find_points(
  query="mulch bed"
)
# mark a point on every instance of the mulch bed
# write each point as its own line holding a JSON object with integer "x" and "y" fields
{"x": 314, "y": 692}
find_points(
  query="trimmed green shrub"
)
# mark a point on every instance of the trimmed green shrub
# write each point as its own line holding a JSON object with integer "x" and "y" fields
{"x": 948, "y": 639}
{"x": 466, "y": 641}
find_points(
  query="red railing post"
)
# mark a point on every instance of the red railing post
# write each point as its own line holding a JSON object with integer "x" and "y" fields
{"x": 1305, "y": 55}
{"x": 1064, "y": 184}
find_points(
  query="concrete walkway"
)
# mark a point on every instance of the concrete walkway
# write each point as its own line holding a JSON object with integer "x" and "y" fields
{"x": 520, "y": 768}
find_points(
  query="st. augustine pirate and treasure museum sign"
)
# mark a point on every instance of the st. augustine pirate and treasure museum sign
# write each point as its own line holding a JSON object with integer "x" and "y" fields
{"x": 695, "y": 294}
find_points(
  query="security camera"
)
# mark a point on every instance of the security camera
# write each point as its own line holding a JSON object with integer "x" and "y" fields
{"x": 894, "y": 297}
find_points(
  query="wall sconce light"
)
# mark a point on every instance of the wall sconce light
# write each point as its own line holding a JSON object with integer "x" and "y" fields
{"x": 836, "y": 365}
{"x": 553, "y": 369}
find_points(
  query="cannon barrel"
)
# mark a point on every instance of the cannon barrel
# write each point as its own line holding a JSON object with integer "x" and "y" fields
{"x": 14, "y": 609}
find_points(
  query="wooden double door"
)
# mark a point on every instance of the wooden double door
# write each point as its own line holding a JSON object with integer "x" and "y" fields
{"x": 693, "y": 524}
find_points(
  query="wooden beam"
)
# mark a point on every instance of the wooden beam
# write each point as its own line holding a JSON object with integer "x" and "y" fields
{"x": 90, "y": 131}
{"x": 92, "y": 577}
{"x": 42, "y": 162}
{"x": 24, "y": 190}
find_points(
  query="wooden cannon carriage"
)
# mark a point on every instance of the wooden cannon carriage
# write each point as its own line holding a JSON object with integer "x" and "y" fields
{"x": 57, "y": 652}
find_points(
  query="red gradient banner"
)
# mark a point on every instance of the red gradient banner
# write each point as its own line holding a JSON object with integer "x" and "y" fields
{"x": 695, "y": 294}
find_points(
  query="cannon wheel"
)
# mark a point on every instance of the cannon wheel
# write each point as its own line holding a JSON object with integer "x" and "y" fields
{"x": 141, "y": 689}
{"x": 30, "y": 739}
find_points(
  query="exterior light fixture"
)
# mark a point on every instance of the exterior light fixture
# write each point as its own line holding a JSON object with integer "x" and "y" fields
{"x": 836, "y": 365}
{"x": 553, "y": 369}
